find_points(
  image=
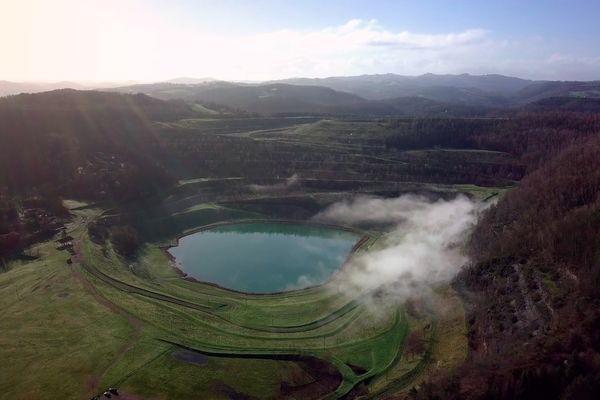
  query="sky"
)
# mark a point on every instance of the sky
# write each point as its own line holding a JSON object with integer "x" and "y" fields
{"x": 153, "y": 40}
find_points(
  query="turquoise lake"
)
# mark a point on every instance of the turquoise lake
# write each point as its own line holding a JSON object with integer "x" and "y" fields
{"x": 263, "y": 257}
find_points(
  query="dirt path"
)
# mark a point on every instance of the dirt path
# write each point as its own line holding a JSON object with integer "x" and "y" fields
{"x": 93, "y": 384}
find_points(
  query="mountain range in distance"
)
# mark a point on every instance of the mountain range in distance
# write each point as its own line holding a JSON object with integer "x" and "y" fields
{"x": 384, "y": 94}
{"x": 8, "y": 88}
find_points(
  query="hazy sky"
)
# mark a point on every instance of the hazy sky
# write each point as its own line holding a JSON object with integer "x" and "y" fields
{"x": 106, "y": 40}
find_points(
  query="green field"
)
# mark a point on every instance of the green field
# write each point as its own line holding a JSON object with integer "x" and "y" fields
{"x": 105, "y": 321}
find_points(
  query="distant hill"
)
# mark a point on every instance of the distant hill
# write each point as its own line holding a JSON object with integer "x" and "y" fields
{"x": 264, "y": 99}
{"x": 190, "y": 81}
{"x": 278, "y": 98}
{"x": 378, "y": 87}
{"x": 413, "y": 107}
{"x": 380, "y": 95}
{"x": 385, "y": 94}
{"x": 541, "y": 90}
{"x": 8, "y": 88}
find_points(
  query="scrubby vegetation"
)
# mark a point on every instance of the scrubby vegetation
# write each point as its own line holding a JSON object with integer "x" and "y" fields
{"x": 534, "y": 282}
{"x": 545, "y": 294}
{"x": 125, "y": 240}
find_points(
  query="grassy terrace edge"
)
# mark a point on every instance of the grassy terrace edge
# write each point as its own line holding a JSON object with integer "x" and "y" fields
{"x": 350, "y": 379}
{"x": 160, "y": 312}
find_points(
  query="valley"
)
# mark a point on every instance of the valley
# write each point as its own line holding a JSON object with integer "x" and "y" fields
{"x": 92, "y": 286}
{"x": 284, "y": 200}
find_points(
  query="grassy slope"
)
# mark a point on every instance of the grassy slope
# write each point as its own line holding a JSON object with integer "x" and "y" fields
{"x": 341, "y": 343}
{"x": 54, "y": 336}
{"x": 238, "y": 323}
{"x": 231, "y": 323}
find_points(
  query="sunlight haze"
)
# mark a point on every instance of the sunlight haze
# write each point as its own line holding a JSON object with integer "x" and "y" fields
{"x": 91, "y": 40}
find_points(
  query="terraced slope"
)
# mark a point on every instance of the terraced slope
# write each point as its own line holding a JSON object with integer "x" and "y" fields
{"x": 151, "y": 333}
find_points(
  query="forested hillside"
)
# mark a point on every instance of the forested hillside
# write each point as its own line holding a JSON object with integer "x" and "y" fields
{"x": 75, "y": 144}
{"x": 538, "y": 272}
{"x": 534, "y": 282}
{"x": 533, "y": 137}
{"x": 464, "y": 87}
{"x": 89, "y": 144}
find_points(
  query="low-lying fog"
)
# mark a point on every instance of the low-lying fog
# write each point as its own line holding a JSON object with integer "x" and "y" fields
{"x": 424, "y": 247}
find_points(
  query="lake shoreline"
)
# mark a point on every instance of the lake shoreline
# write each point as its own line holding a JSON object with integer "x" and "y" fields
{"x": 360, "y": 241}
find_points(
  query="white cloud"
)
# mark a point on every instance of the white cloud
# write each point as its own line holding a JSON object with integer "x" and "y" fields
{"x": 113, "y": 40}
{"x": 352, "y": 48}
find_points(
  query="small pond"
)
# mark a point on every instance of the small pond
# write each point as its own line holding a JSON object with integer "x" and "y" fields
{"x": 264, "y": 257}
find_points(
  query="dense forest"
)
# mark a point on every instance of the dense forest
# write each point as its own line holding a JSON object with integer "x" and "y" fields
{"x": 534, "y": 283}
{"x": 89, "y": 144}
{"x": 555, "y": 212}
{"x": 72, "y": 144}
{"x": 533, "y": 137}
{"x": 110, "y": 146}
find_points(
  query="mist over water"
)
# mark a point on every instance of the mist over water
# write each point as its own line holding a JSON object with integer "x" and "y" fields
{"x": 425, "y": 246}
